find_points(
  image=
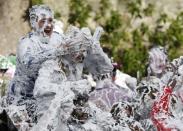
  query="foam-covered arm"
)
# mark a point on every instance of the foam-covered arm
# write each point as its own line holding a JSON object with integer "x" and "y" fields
{"x": 97, "y": 62}
{"x": 28, "y": 55}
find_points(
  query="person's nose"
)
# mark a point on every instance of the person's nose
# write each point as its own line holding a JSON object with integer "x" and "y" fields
{"x": 48, "y": 24}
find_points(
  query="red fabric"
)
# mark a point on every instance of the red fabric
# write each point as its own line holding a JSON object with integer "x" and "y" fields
{"x": 161, "y": 106}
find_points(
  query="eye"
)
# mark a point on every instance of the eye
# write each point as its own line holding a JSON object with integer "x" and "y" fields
{"x": 42, "y": 21}
{"x": 50, "y": 20}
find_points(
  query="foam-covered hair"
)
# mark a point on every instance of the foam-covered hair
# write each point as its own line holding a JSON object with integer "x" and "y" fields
{"x": 37, "y": 11}
{"x": 157, "y": 55}
{"x": 158, "y": 51}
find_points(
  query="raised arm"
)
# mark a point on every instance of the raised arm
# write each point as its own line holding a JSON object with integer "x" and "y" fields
{"x": 96, "y": 61}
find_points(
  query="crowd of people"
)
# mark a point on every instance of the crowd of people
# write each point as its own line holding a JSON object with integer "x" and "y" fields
{"x": 52, "y": 88}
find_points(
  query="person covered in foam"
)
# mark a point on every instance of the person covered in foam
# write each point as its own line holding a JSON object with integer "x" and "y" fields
{"x": 38, "y": 46}
{"x": 158, "y": 59}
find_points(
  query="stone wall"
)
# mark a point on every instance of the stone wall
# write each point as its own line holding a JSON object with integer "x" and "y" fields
{"x": 12, "y": 25}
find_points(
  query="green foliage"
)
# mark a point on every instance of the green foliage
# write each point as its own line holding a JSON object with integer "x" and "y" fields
{"x": 79, "y": 12}
{"x": 116, "y": 35}
{"x": 163, "y": 18}
{"x": 134, "y": 58}
{"x": 134, "y": 8}
{"x": 172, "y": 38}
{"x": 36, "y": 2}
{"x": 104, "y": 6}
{"x": 57, "y": 15}
{"x": 158, "y": 37}
{"x": 148, "y": 11}
{"x": 113, "y": 23}
{"x": 144, "y": 29}
{"x": 113, "y": 35}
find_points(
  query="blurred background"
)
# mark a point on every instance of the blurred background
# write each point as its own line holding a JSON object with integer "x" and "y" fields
{"x": 131, "y": 26}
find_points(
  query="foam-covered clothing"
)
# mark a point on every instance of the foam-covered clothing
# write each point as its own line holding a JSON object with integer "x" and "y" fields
{"x": 107, "y": 95}
{"x": 32, "y": 51}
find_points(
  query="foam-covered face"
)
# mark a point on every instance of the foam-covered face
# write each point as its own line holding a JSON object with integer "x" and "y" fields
{"x": 45, "y": 26}
{"x": 44, "y": 22}
{"x": 41, "y": 20}
{"x": 157, "y": 61}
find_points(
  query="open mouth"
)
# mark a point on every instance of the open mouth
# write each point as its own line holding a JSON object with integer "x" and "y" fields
{"x": 48, "y": 31}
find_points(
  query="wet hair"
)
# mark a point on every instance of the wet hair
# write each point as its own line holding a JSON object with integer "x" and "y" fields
{"x": 36, "y": 11}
